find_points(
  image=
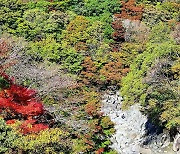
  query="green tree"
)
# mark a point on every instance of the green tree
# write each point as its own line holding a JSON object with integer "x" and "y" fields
{"x": 98, "y": 7}
{"x": 10, "y": 12}
{"x": 37, "y": 24}
{"x": 75, "y": 32}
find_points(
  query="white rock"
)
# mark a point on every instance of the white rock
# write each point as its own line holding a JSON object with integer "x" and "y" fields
{"x": 129, "y": 125}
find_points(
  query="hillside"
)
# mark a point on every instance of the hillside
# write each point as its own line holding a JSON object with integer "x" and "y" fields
{"x": 89, "y": 76}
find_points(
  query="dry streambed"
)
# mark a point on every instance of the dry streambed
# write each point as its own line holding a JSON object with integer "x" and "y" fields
{"x": 131, "y": 129}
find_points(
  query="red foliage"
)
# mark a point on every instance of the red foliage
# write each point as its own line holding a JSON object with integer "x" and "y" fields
{"x": 20, "y": 94}
{"x": 9, "y": 122}
{"x": 30, "y": 126}
{"x": 19, "y": 100}
{"x": 6, "y": 77}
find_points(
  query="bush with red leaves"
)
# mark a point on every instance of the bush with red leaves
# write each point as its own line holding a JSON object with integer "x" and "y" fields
{"x": 21, "y": 101}
{"x": 30, "y": 126}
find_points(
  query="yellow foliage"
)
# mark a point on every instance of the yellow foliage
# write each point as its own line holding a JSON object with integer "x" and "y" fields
{"x": 152, "y": 103}
{"x": 176, "y": 68}
{"x": 75, "y": 31}
{"x": 32, "y": 141}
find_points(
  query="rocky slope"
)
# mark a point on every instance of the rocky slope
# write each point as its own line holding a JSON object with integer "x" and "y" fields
{"x": 134, "y": 134}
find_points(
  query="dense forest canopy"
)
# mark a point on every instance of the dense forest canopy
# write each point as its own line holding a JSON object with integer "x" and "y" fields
{"x": 57, "y": 57}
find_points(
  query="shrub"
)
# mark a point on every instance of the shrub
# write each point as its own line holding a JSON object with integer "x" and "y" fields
{"x": 10, "y": 12}
{"x": 47, "y": 49}
{"x": 20, "y": 101}
{"x": 153, "y": 15}
{"x": 36, "y": 24}
{"x": 52, "y": 140}
{"x": 89, "y": 71}
{"x": 92, "y": 7}
{"x": 11, "y": 49}
{"x": 129, "y": 11}
{"x": 7, "y": 137}
{"x": 75, "y": 32}
{"x": 71, "y": 60}
{"x": 112, "y": 72}
{"x": 106, "y": 123}
{"x": 47, "y": 78}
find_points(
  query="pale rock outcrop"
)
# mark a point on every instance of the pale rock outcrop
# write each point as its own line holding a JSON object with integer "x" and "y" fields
{"x": 134, "y": 133}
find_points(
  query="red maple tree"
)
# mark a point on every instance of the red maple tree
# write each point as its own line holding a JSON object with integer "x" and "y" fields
{"x": 21, "y": 101}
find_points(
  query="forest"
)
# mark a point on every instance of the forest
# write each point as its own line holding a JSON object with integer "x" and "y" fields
{"x": 59, "y": 57}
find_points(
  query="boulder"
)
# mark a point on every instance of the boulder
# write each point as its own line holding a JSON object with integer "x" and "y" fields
{"x": 176, "y": 144}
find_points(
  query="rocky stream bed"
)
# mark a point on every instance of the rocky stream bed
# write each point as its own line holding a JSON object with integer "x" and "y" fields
{"x": 134, "y": 133}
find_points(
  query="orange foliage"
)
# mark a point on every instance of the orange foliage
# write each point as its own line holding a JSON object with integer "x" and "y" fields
{"x": 110, "y": 73}
{"x": 89, "y": 71}
{"x": 129, "y": 11}
{"x": 99, "y": 151}
{"x": 9, "y": 122}
{"x": 92, "y": 100}
{"x": 113, "y": 71}
{"x": 81, "y": 46}
{"x": 90, "y": 143}
{"x": 92, "y": 107}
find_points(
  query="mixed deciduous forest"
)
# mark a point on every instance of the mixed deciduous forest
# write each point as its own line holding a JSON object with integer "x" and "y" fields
{"x": 58, "y": 57}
